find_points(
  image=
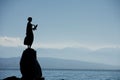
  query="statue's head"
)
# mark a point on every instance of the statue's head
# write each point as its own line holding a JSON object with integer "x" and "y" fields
{"x": 29, "y": 19}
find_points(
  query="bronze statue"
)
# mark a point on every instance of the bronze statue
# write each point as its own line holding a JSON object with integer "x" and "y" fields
{"x": 29, "y": 33}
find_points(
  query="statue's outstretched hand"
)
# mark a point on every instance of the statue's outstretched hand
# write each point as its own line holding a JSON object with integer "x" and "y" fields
{"x": 35, "y": 27}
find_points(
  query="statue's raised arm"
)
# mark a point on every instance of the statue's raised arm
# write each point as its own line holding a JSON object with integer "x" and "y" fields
{"x": 35, "y": 27}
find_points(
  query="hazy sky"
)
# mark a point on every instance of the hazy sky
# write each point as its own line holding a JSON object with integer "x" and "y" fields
{"x": 92, "y": 24}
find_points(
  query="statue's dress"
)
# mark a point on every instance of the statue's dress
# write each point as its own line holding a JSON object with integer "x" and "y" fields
{"x": 29, "y": 35}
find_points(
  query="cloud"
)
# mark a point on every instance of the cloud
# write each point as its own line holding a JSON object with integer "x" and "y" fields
{"x": 72, "y": 45}
{"x": 10, "y": 41}
{"x": 17, "y": 41}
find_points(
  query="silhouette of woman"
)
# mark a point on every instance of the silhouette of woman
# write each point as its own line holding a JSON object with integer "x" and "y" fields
{"x": 29, "y": 33}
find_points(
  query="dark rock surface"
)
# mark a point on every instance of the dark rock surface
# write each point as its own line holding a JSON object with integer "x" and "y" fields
{"x": 12, "y": 78}
{"x": 15, "y": 78}
{"x": 29, "y": 66}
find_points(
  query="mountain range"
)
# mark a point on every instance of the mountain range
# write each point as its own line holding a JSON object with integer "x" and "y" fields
{"x": 67, "y": 58}
{"x": 54, "y": 63}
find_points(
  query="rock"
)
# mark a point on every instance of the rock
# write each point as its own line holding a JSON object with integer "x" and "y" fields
{"x": 12, "y": 78}
{"x": 15, "y": 78}
{"x": 29, "y": 66}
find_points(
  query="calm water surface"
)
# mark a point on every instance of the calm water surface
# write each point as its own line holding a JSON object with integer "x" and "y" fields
{"x": 69, "y": 74}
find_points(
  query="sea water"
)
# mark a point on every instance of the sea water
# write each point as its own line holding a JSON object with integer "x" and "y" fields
{"x": 55, "y": 74}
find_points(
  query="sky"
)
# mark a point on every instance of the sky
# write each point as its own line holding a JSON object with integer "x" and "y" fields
{"x": 91, "y": 24}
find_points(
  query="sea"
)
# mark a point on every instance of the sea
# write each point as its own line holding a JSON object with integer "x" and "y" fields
{"x": 68, "y": 74}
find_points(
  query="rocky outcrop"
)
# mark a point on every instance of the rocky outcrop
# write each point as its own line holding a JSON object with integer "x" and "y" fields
{"x": 29, "y": 66}
{"x": 12, "y": 78}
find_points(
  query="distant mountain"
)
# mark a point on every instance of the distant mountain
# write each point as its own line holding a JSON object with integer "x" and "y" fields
{"x": 109, "y": 56}
{"x": 54, "y": 63}
{"x": 9, "y": 63}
